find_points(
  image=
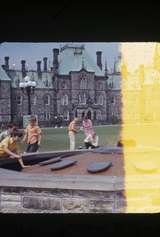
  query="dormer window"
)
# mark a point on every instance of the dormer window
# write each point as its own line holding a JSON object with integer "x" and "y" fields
{"x": 77, "y": 51}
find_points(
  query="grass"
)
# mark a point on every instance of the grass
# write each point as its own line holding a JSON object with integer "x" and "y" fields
{"x": 57, "y": 138}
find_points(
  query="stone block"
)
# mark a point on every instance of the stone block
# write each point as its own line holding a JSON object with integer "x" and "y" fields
{"x": 93, "y": 194}
{"x": 43, "y": 203}
{"x": 101, "y": 206}
{"x": 75, "y": 204}
{"x": 10, "y": 204}
{"x": 10, "y": 197}
{"x": 120, "y": 203}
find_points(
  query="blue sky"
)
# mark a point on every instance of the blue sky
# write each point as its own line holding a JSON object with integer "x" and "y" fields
{"x": 31, "y": 52}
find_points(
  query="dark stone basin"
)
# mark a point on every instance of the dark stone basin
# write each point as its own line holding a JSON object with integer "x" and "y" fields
{"x": 63, "y": 164}
{"x": 99, "y": 166}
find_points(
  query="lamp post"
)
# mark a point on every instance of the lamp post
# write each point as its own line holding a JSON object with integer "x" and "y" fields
{"x": 28, "y": 86}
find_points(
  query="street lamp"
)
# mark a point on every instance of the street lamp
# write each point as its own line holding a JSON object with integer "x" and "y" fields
{"x": 28, "y": 85}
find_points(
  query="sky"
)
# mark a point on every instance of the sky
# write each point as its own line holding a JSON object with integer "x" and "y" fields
{"x": 32, "y": 52}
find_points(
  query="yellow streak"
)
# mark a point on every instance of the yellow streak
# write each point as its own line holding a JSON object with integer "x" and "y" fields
{"x": 140, "y": 90}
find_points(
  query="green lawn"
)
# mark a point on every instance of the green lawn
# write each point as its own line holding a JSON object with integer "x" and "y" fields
{"x": 57, "y": 138}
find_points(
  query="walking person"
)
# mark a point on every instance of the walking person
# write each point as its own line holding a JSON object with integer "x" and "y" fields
{"x": 32, "y": 136}
{"x": 72, "y": 130}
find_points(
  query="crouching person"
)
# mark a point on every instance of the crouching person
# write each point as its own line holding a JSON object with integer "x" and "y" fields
{"x": 91, "y": 141}
{"x": 9, "y": 147}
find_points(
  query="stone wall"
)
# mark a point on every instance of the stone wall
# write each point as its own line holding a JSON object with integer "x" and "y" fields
{"x": 5, "y": 101}
{"x": 30, "y": 200}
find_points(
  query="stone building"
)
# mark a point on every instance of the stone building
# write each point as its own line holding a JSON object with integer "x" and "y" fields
{"x": 74, "y": 86}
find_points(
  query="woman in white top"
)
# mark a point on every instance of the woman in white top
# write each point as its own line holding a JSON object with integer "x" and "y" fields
{"x": 91, "y": 141}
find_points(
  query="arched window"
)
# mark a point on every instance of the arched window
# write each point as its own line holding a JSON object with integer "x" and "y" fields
{"x": 89, "y": 114}
{"x": 83, "y": 114}
{"x": 101, "y": 99}
{"x": 47, "y": 100}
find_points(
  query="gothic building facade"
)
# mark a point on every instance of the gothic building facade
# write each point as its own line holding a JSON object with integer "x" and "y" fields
{"x": 75, "y": 85}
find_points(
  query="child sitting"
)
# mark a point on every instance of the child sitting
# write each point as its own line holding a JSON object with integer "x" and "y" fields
{"x": 9, "y": 147}
{"x": 7, "y": 132}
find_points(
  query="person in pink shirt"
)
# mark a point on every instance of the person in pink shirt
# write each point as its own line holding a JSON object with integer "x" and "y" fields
{"x": 87, "y": 126}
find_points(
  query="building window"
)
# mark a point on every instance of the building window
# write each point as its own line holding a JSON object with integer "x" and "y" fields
{"x": 17, "y": 82}
{"x": 47, "y": 100}
{"x": 100, "y": 86}
{"x": 47, "y": 116}
{"x": 79, "y": 99}
{"x": 84, "y": 99}
{"x": 46, "y": 83}
{"x": 64, "y": 85}
{"x": 76, "y": 114}
{"x": 83, "y": 84}
{"x": 113, "y": 100}
{"x": 95, "y": 117}
{"x": 66, "y": 115}
{"x": 101, "y": 99}
{"x": 99, "y": 115}
{"x": 19, "y": 99}
{"x": 83, "y": 114}
{"x": 64, "y": 100}
{"x": 35, "y": 100}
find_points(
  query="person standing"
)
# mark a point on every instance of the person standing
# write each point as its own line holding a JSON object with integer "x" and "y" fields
{"x": 87, "y": 126}
{"x": 32, "y": 135}
{"x": 72, "y": 130}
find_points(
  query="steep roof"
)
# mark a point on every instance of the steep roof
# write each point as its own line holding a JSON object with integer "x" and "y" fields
{"x": 3, "y": 75}
{"x": 72, "y": 57}
{"x": 40, "y": 82}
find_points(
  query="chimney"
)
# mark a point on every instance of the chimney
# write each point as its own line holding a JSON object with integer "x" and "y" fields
{"x": 45, "y": 64}
{"x": 55, "y": 58}
{"x": 6, "y": 59}
{"x": 23, "y": 62}
{"x": 99, "y": 59}
{"x": 39, "y": 68}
